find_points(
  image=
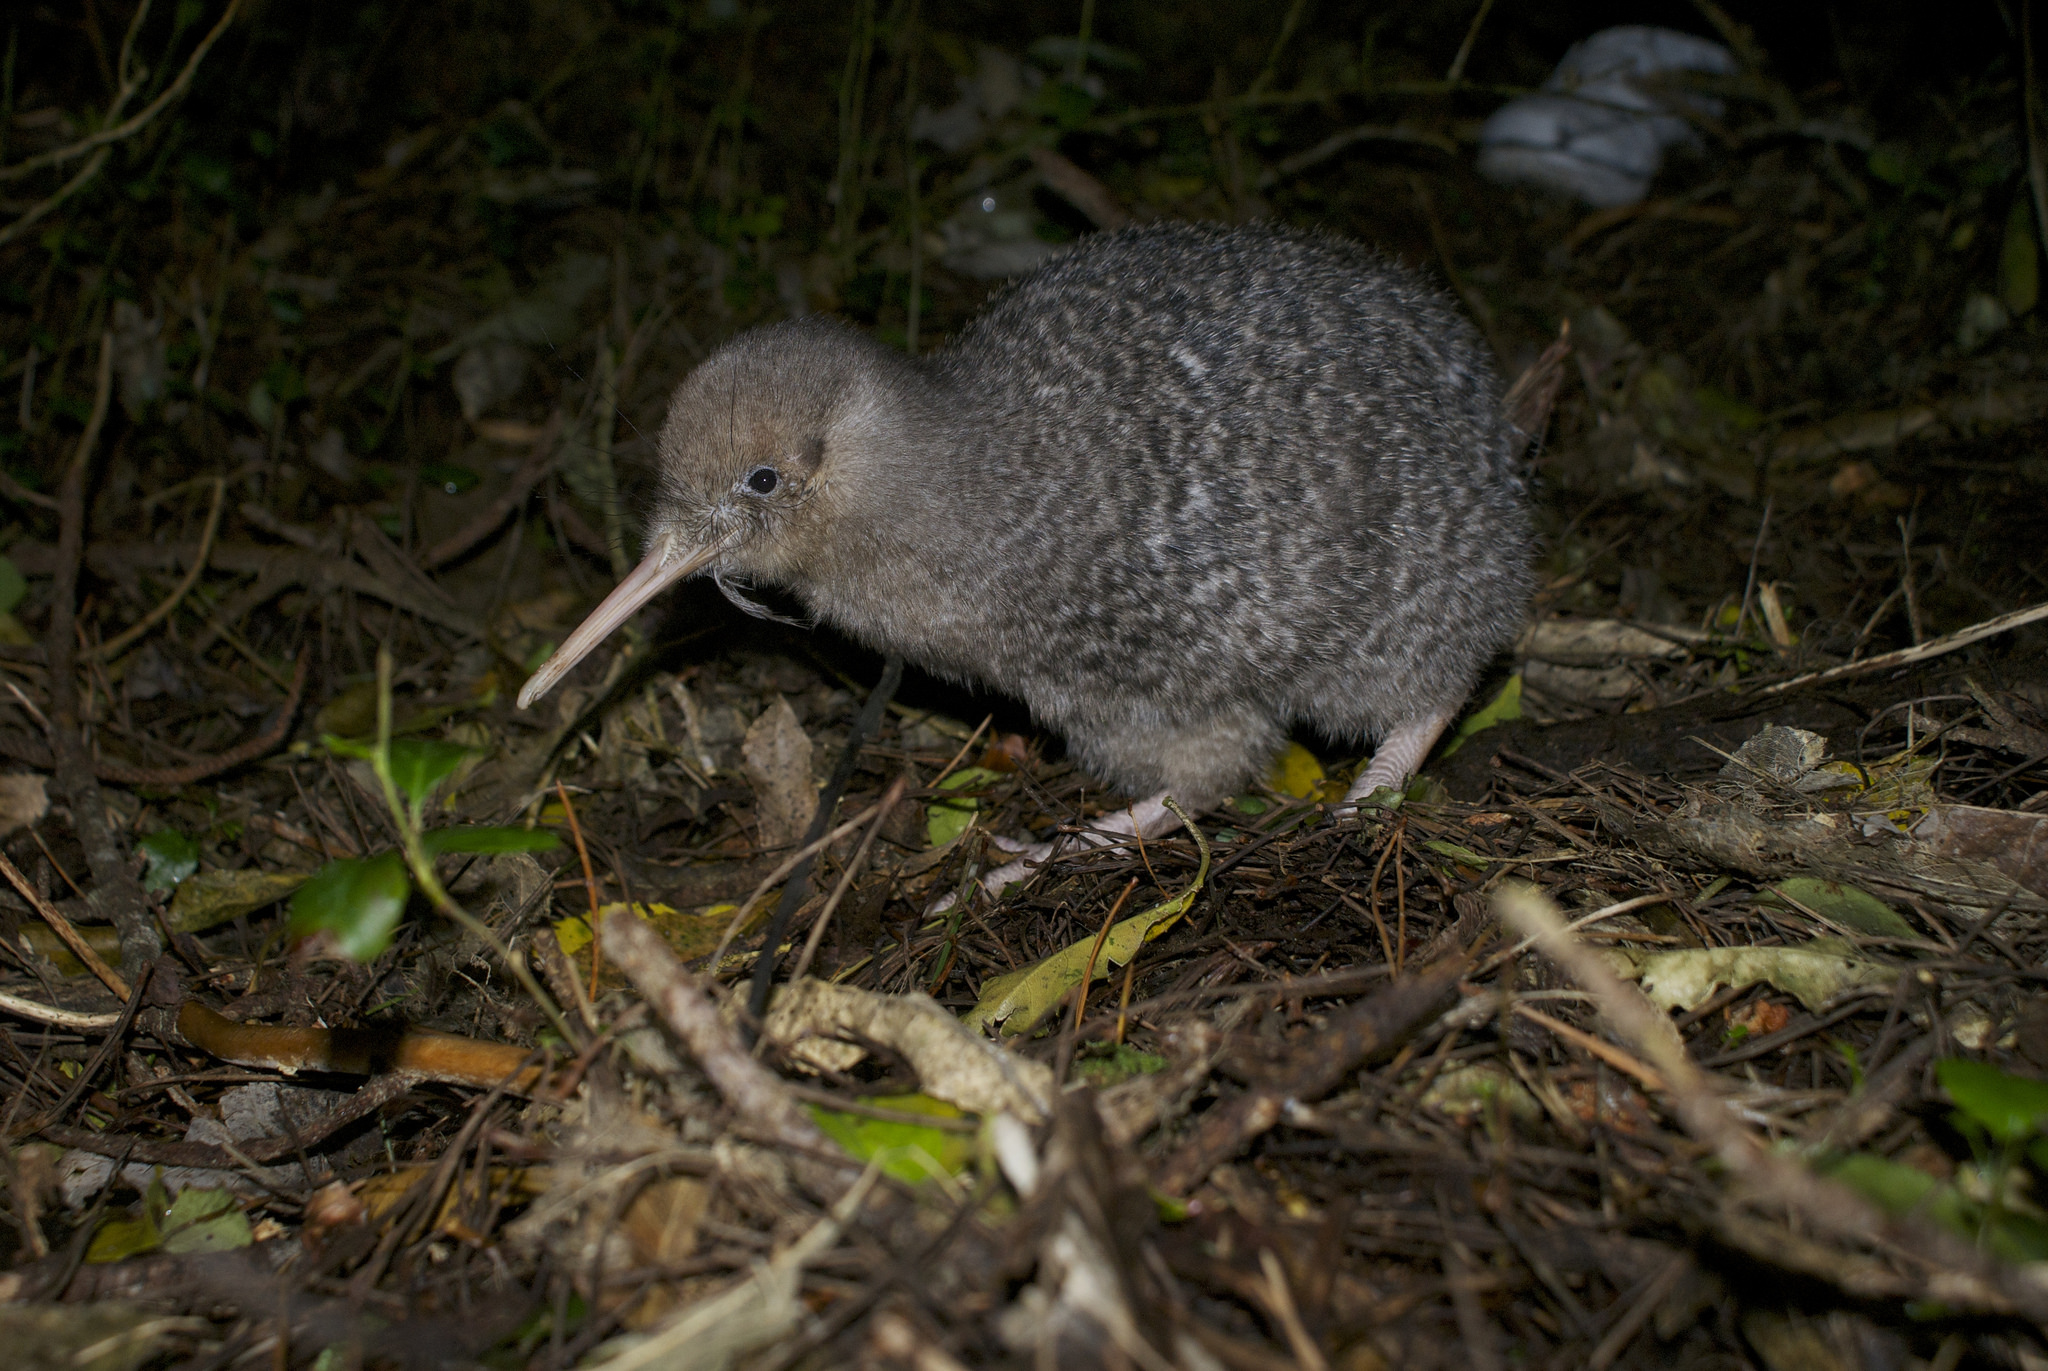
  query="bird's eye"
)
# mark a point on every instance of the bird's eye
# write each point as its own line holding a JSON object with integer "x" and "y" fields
{"x": 762, "y": 480}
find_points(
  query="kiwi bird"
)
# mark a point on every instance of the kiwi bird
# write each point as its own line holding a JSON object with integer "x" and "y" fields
{"x": 1179, "y": 489}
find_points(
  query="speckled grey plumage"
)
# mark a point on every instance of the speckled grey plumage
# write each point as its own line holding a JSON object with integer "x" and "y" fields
{"x": 1177, "y": 489}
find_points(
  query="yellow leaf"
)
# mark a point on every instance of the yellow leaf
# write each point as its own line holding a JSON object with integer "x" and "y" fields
{"x": 573, "y": 933}
{"x": 1503, "y": 708}
{"x": 119, "y": 1239}
{"x": 99, "y": 937}
{"x": 1019, "y": 999}
{"x": 215, "y": 897}
{"x": 946, "y": 820}
{"x": 381, "y": 1194}
{"x": 689, "y": 935}
{"x": 1296, "y": 772}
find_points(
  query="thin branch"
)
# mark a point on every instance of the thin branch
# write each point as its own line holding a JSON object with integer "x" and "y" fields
{"x": 1907, "y": 656}
{"x": 80, "y": 948}
{"x": 112, "y": 648}
{"x": 539, "y": 461}
{"x": 889, "y": 799}
{"x": 1968, "y": 1277}
{"x": 171, "y": 777}
{"x": 69, "y": 1019}
{"x": 11, "y": 489}
{"x": 64, "y": 192}
{"x": 1457, "y": 71}
{"x": 135, "y": 122}
{"x": 116, "y": 891}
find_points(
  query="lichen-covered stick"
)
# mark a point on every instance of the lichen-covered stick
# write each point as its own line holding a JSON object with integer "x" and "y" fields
{"x": 1178, "y": 490}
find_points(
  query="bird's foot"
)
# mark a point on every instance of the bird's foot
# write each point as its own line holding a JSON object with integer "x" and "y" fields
{"x": 1028, "y": 858}
{"x": 1398, "y": 756}
{"x": 1148, "y": 818}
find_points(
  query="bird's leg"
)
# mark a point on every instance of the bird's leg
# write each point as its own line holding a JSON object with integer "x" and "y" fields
{"x": 1398, "y": 755}
{"x": 1148, "y": 818}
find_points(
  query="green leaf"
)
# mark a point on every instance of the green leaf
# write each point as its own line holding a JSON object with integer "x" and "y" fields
{"x": 1505, "y": 707}
{"x": 205, "y": 1221}
{"x": 946, "y": 820}
{"x": 1019, "y": 999}
{"x": 2019, "y": 261}
{"x": 358, "y": 899}
{"x": 1891, "y": 164}
{"x": 168, "y": 857}
{"x": 1444, "y": 847}
{"x": 420, "y": 764}
{"x": 120, "y": 1239}
{"x": 1471, "y": 1089}
{"x": 214, "y": 897}
{"x": 13, "y": 585}
{"x": 489, "y": 840}
{"x": 907, "y": 1151}
{"x": 2011, "y": 1108}
{"x": 1901, "y": 1189}
{"x": 352, "y": 748}
{"x": 1853, "y": 909}
{"x": 1728, "y": 409}
{"x": 1897, "y": 1188}
{"x": 1121, "y": 1063}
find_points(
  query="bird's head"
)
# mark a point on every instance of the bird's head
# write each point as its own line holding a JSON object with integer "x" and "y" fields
{"x": 755, "y": 462}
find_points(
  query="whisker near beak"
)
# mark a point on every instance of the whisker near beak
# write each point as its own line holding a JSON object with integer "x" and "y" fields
{"x": 655, "y": 574}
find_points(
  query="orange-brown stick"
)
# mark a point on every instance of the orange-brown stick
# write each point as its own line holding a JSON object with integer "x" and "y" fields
{"x": 358, "y": 1051}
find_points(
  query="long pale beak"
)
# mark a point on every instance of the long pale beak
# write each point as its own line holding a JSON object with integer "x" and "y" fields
{"x": 656, "y": 573}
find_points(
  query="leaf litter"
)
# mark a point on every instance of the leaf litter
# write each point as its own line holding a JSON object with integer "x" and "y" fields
{"x": 374, "y": 379}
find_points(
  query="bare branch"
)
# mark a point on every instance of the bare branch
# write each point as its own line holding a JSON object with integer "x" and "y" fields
{"x": 141, "y": 119}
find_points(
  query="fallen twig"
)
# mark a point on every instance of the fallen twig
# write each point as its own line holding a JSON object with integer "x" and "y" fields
{"x": 113, "y": 647}
{"x": 493, "y": 514}
{"x": 1919, "y": 652}
{"x": 80, "y": 948}
{"x": 170, "y": 777}
{"x": 70, "y": 1019}
{"x": 1301, "y": 1073}
{"x": 1947, "y": 1268}
{"x": 1889, "y": 427}
{"x": 278, "y": 570}
{"x": 685, "y": 1005}
{"x": 117, "y": 891}
{"x": 1081, "y": 190}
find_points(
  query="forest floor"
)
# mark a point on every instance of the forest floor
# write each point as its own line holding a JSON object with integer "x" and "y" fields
{"x": 1688, "y": 1011}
